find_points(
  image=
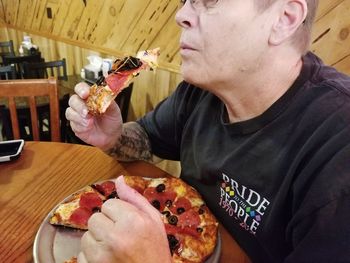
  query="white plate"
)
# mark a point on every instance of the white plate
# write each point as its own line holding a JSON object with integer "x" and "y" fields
{"x": 55, "y": 244}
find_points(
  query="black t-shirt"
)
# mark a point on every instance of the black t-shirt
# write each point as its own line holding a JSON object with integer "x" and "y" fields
{"x": 280, "y": 182}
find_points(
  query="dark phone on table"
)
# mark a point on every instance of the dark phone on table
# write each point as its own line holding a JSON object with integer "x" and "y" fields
{"x": 10, "y": 150}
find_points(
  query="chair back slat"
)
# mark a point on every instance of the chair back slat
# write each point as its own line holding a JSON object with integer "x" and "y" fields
{"x": 7, "y": 72}
{"x": 31, "y": 89}
{"x": 34, "y": 118}
{"x": 14, "y": 117}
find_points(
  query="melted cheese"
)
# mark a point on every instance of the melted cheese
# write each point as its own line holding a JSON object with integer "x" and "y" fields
{"x": 180, "y": 190}
{"x": 150, "y": 57}
{"x": 188, "y": 253}
{"x": 65, "y": 210}
{"x": 155, "y": 182}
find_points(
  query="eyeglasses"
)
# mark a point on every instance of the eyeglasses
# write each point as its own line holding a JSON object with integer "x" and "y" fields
{"x": 201, "y": 4}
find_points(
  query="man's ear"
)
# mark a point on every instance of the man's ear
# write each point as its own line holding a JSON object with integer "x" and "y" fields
{"x": 292, "y": 15}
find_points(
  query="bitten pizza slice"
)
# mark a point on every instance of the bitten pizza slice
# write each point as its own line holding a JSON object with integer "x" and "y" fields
{"x": 106, "y": 89}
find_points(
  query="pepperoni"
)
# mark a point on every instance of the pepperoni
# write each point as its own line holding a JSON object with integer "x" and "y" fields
{"x": 189, "y": 218}
{"x": 152, "y": 195}
{"x": 99, "y": 188}
{"x": 90, "y": 200}
{"x": 107, "y": 188}
{"x": 138, "y": 189}
{"x": 190, "y": 231}
{"x": 80, "y": 216}
{"x": 181, "y": 229}
{"x": 171, "y": 230}
{"x": 117, "y": 81}
{"x": 180, "y": 205}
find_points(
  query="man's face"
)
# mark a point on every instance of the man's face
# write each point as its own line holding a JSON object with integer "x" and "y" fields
{"x": 221, "y": 43}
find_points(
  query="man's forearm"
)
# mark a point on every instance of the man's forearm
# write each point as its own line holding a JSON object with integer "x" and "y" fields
{"x": 132, "y": 145}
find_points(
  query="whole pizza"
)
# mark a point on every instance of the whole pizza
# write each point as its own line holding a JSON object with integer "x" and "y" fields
{"x": 190, "y": 226}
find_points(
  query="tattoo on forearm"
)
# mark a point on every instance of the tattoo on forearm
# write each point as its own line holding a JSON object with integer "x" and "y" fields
{"x": 132, "y": 145}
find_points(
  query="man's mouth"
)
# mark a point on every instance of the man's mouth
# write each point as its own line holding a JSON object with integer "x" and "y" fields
{"x": 185, "y": 46}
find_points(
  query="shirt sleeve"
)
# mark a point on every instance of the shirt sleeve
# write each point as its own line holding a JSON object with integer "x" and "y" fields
{"x": 324, "y": 236}
{"x": 320, "y": 228}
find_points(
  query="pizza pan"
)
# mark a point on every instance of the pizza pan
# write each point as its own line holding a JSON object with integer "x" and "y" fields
{"x": 55, "y": 244}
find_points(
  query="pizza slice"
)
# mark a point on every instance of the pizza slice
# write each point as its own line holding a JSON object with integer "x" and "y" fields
{"x": 106, "y": 89}
{"x": 76, "y": 210}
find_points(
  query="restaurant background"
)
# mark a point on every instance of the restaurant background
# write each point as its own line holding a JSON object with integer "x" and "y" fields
{"x": 76, "y": 29}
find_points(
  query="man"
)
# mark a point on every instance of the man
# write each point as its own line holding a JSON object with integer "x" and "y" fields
{"x": 262, "y": 132}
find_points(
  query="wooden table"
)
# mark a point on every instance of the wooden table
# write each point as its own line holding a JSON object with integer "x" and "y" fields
{"x": 46, "y": 173}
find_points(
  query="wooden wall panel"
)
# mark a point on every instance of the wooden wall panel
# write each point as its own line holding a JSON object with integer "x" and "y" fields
{"x": 325, "y": 6}
{"x": 113, "y": 27}
{"x": 331, "y": 37}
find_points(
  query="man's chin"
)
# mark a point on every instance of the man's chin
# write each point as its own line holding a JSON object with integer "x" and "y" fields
{"x": 189, "y": 75}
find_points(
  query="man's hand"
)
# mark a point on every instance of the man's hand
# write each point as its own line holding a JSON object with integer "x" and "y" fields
{"x": 128, "y": 229}
{"x": 102, "y": 131}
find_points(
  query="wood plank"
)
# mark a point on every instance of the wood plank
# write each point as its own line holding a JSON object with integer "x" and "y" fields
{"x": 72, "y": 20}
{"x": 11, "y": 11}
{"x": 89, "y": 22}
{"x": 335, "y": 44}
{"x": 125, "y": 21}
{"x": 343, "y": 65}
{"x": 59, "y": 16}
{"x": 39, "y": 11}
{"x": 168, "y": 48}
{"x": 47, "y": 23}
{"x": 150, "y": 25}
{"x": 325, "y": 6}
{"x": 105, "y": 23}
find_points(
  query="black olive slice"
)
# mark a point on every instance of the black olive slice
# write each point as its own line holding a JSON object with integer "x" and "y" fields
{"x": 180, "y": 210}
{"x": 156, "y": 204}
{"x": 166, "y": 213}
{"x": 160, "y": 188}
{"x": 172, "y": 220}
{"x": 168, "y": 203}
{"x": 199, "y": 229}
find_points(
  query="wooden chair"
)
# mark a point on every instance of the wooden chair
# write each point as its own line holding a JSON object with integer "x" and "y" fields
{"x": 7, "y": 72}
{"x": 6, "y": 48}
{"x": 32, "y": 88}
{"x": 36, "y": 70}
